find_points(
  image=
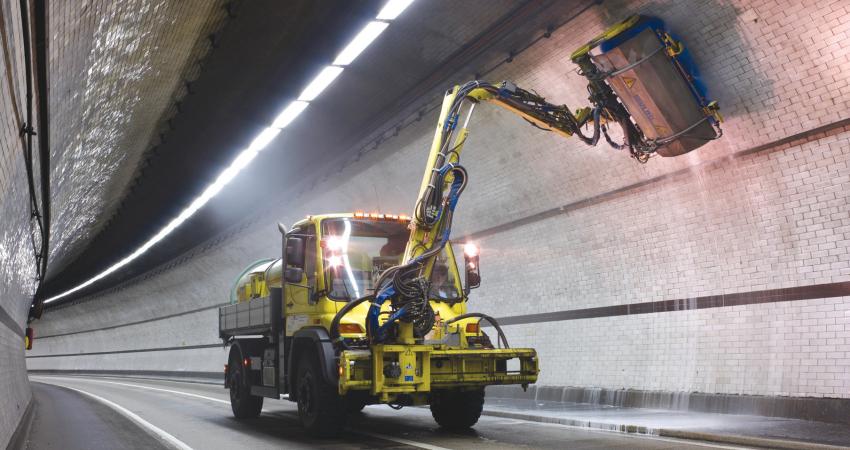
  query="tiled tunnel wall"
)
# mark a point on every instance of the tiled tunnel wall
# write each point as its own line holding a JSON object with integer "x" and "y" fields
{"x": 740, "y": 248}
{"x": 17, "y": 264}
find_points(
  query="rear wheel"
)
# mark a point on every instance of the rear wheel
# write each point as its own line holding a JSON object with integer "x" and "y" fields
{"x": 457, "y": 410}
{"x": 243, "y": 404}
{"x": 320, "y": 409}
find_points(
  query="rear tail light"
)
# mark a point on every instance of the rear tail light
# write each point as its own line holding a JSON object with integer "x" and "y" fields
{"x": 472, "y": 328}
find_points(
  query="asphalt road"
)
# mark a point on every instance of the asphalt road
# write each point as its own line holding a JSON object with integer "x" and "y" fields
{"x": 83, "y": 413}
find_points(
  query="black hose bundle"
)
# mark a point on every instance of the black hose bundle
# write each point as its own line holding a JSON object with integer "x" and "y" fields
{"x": 488, "y": 319}
{"x": 334, "y": 330}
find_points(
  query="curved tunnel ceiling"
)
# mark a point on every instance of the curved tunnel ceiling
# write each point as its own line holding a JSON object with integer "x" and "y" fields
{"x": 118, "y": 69}
{"x": 265, "y": 56}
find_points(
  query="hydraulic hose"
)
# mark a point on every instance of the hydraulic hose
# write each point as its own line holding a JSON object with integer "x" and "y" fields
{"x": 334, "y": 331}
{"x": 483, "y": 317}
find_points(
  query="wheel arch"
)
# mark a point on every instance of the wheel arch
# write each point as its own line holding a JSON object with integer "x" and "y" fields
{"x": 313, "y": 340}
{"x": 241, "y": 349}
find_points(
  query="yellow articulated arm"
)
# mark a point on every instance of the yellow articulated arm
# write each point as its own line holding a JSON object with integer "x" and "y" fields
{"x": 433, "y": 208}
{"x": 612, "y": 83}
{"x": 406, "y": 285}
{"x": 672, "y": 116}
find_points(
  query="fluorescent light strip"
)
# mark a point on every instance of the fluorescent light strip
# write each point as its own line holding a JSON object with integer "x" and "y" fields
{"x": 366, "y": 36}
{"x": 289, "y": 114}
{"x": 320, "y": 83}
{"x": 392, "y": 9}
{"x": 369, "y": 33}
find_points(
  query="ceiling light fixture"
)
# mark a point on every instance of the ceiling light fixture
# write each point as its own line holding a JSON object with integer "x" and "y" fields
{"x": 289, "y": 114}
{"x": 392, "y": 9}
{"x": 320, "y": 83}
{"x": 367, "y": 35}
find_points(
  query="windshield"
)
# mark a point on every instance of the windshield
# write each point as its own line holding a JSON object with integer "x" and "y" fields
{"x": 443, "y": 280}
{"x": 356, "y": 251}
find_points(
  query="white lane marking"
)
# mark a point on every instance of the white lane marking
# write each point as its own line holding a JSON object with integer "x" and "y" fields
{"x": 159, "y": 432}
{"x": 187, "y": 394}
{"x": 366, "y": 433}
{"x": 400, "y": 440}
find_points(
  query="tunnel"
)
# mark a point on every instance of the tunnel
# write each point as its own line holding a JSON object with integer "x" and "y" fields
{"x": 248, "y": 224}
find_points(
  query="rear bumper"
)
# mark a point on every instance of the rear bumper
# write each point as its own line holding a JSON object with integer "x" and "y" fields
{"x": 423, "y": 368}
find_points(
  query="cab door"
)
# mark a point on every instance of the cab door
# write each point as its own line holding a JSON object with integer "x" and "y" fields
{"x": 299, "y": 279}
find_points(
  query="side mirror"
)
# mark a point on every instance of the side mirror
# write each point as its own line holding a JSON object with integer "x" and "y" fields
{"x": 470, "y": 259}
{"x": 295, "y": 252}
{"x": 293, "y": 274}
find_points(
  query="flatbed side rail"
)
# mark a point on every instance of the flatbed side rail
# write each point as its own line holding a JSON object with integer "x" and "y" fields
{"x": 252, "y": 317}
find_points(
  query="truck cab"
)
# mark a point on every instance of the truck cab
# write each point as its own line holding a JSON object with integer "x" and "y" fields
{"x": 295, "y": 329}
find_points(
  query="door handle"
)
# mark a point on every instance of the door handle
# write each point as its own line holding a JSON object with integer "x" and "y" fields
{"x": 290, "y": 305}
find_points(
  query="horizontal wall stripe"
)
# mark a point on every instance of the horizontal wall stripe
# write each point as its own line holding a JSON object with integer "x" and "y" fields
{"x": 10, "y": 323}
{"x": 138, "y": 350}
{"x": 152, "y": 374}
{"x": 803, "y": 137}
{"x": 111, "y": 327}
{"x": 814, "y": 133}
{"x": 828, "y": 290}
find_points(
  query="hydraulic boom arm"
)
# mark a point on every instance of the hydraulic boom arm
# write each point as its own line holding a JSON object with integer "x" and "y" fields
{"x": 657, "y": 77}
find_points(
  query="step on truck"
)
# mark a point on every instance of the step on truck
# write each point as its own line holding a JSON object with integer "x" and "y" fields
{"x": 371, "y": 308}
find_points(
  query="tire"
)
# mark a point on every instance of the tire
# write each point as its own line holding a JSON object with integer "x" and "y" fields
{"x": 457, "y": 410}
{"x": 243, "y": 404}
{"x": 320, "y": 408}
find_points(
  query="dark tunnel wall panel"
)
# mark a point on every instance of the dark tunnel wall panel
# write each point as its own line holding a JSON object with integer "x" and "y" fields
{"x": 14, "y": 390}
{"x": 17, "y": 263}
{"x": 770, "y": 219}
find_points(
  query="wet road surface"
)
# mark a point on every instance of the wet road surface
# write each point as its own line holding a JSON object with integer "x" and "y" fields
{"x": 71, "y": 414}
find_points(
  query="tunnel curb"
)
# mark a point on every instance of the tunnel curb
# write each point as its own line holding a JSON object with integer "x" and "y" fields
{"x": 605, "y": 426}
{"x": 666, "y": 432}
{"x": 22, "y": 431}
{"x": 746, "y": 440}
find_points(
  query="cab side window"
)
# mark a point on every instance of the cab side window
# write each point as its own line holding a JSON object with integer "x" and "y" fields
{"x": 310, "y": 256}
{"x": 308, "y": 238}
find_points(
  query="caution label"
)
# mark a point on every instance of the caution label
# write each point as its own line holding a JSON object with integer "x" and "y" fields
{"x": 660, "y": 130}
{"x": 629, "y": 82}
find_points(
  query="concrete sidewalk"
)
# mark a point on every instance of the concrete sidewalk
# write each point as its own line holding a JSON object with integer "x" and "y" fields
{"x": 746, "y": 430}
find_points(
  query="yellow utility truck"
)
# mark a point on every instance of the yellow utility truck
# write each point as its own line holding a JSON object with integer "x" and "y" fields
{"x": 372, "y": 308}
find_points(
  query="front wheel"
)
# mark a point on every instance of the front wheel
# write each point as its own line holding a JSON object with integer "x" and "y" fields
{"x": 243, "y": 404}
{"x": 457, "y": 410}
{"x": 320, "y": 408}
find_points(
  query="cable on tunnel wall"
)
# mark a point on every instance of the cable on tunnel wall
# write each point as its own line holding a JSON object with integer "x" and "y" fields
{"x": 40, "y": 20}
{"x": 39, "y": 210}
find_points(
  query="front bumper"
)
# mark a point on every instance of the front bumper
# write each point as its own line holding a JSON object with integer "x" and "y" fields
{"x": 412, "y": 369}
